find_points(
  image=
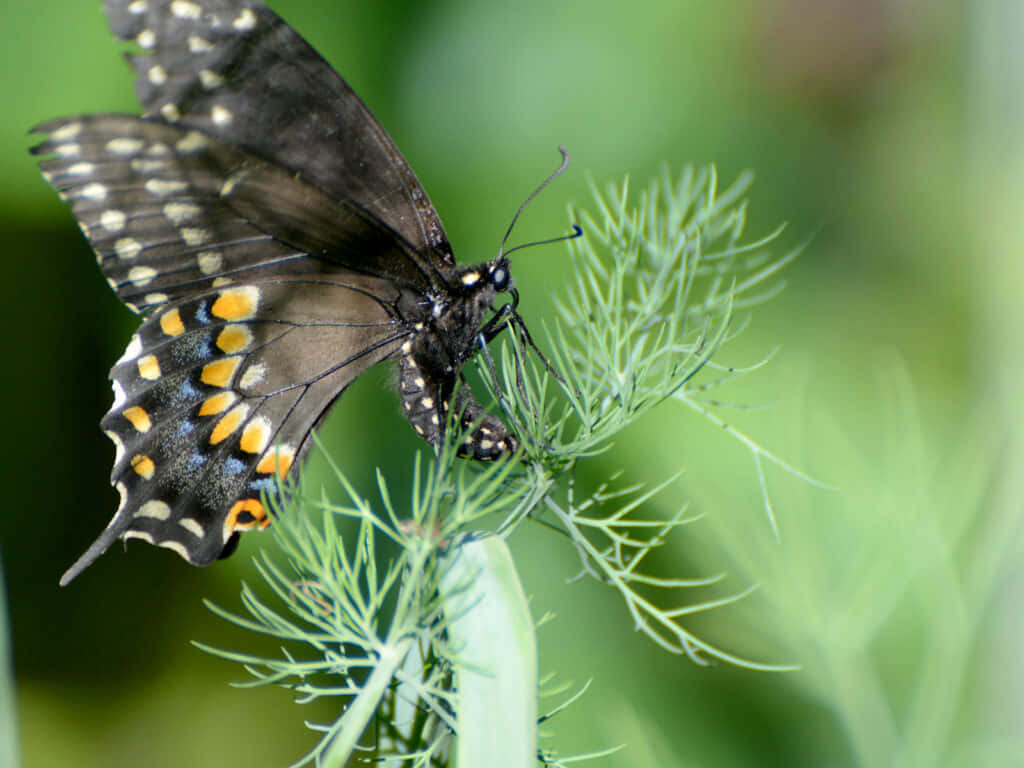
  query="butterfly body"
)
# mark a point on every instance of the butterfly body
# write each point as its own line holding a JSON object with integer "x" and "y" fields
{"x": 279, "y": 246}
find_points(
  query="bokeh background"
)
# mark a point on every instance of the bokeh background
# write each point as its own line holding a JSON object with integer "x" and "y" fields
{"x": 890, "y": 130}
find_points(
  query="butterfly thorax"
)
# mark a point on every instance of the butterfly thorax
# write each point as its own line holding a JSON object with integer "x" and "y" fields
{"x": 447, "y": 334}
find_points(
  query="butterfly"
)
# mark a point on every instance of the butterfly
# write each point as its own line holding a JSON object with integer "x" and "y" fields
{"x": 278, "y": 246}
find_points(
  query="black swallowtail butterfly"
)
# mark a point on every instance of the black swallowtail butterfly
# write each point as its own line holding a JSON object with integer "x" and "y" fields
{"x": 279, "y": 246}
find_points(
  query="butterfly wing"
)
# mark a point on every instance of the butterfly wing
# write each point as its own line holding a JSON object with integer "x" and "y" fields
{"x": 237, "y": 72}
{"x": 215, "y": 398}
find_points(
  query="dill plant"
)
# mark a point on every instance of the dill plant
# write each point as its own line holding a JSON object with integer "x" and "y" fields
{"x": 438, "y": 640}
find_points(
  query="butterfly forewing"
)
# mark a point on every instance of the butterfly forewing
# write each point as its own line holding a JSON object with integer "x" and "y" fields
{"x": 237, "y": 71}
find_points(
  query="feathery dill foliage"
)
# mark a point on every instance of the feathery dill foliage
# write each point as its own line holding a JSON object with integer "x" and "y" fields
{"x": 652, "y": 294}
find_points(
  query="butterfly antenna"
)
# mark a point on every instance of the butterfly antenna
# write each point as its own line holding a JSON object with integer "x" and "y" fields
{"x": 528, "y": 200}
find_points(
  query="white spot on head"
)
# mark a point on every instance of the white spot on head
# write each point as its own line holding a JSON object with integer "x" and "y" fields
{"x": 65, "y": 132}
{"x": 210, "y": 262}
{"x": 127, "y": 248}
{"x": 246, "y": 20}
{"x": 194, "y": 235}
{"x": 184, "y": 9}
{"x": 157, "y": 75}
{"x": 81, "y": 169}
{"x": 141, "y": 276}
{"x": 170, "y": 112}
{"x": 68, "y": 150}
{"x": 178, "y": 213}
{"x": 193, "y": 526}
{"x": 197, "y": 44}
{"x": 253, "y": 375}
{"x": 156, "y": 509}
{"x": 125, "y": 146}
{"x": 221, "y": 115}
{"x": 210, "y": 79}
{"x": 163, "y": 187}
{"x": 113, "y": 220}
{"x": 156, "y": 298}
{"x": 470, "y": 278}
{"x": 193, "y": 142}
{"x": 94, "y": 192}
{"x": 146, "y": 38}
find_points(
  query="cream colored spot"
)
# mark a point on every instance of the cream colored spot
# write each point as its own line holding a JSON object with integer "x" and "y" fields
{"x": 157, "y": 75}
{"x": 217, "y": 403}
{"x": 427, "y": 403}
{"x": 175, "y": 546}
{"x": 141, "y": 276}
{"x": 219, "y": 372}
{"x": 470, "y": 278}
{"x": 194, "y": 235}
{"x": 138, "y": 418}
{"x": 125, "y": 146}
{"x": 137, "y": 7}
{"x": 197, "y": 44}
{"x": 221, "y": 115}
{"x": 486, "y": 444}
{"x": 127, "y": 248}
{"x": 95, "y": 192}
{"x": 433, "y": 419}
{"x": 113, "y": 221}
{"x": 140, "y": 535}
{"x": 246, "y": 20}
{"x": 184, "y": 9}
{"x": 68, "y": 150}
{"x": 164, "y": 187}
{"x": 158, "y": 149}
{"x": 143, "y": 466}
{"x": 178, "y": 213}
{"x": 193, "y": 526}
{"x": 156, "y": 298}
{"x": 236, "y": 303}
{"x": 81, "y": 169}
{"x": 170, "y": 322}
{"x": 148, "y": 166}
{"x": 158, "y": 510}
{"x": 132, "y": 351}
{"x": 210, "y": 262}
{"x": 149, "y": 368}
{"x": 122, "y": 491}
{"x": 253, "y": 375}
{"x": 407, "y": 347}
{"x": 170, "y": 112}
{"x": 234, "y": 338}
{"x": 256, "y": 435}
{"x": 146, "y": 38}
{"x": 229, "y": 423}
{"x": 221, "y": 281}
{"x": 418, "y": 382}
{"x": 118, "y": 446}
{"x": 210, "y": 79}
{"x": 65, "y": 132}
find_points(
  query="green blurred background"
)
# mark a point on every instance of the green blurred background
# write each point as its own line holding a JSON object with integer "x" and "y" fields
{"x": 891, "y": 130}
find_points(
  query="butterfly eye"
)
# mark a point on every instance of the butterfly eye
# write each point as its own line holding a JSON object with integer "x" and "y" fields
{"x": 500, "y": 278}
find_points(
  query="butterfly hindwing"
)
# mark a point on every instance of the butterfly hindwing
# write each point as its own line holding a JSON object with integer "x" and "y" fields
{"x": 215, "y": 398}
{"x": 236, "y": 71}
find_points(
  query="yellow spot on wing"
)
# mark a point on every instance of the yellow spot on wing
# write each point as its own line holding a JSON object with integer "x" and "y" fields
{"x": 278, "y": 459}
{"x": 143, "y": 466}
{"x": 138, "y": 417}
{"x": 234, "y": 338}
{"x": 219, "y": 372}
{"x": 228, "y": 423}
{"x": 170, "y": 323}
{"x": 217, "y": 403}
{"x": 236, "y": 303}
{"x": 149, "y": 368}
{"x": 245, "y": 515}
{"x": 255, "y": 436}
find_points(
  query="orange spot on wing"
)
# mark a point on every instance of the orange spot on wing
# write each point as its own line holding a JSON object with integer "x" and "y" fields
{"x": 138, "y": 417}
{"x": 143, "y": 466}
{"x": 245, "y": 515}
{"x": 255, "y": 436}
{"x": 278, "y": 459}
{"x": 149, "y": 368}
{"x": 228, "y": 424}
{"x": 234, "y": 338}
{"x": 217, "y": 403}
{"x": 236, "y": 303}
{"x": 219, "y": 372}
{"x": 170, "y": 323}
